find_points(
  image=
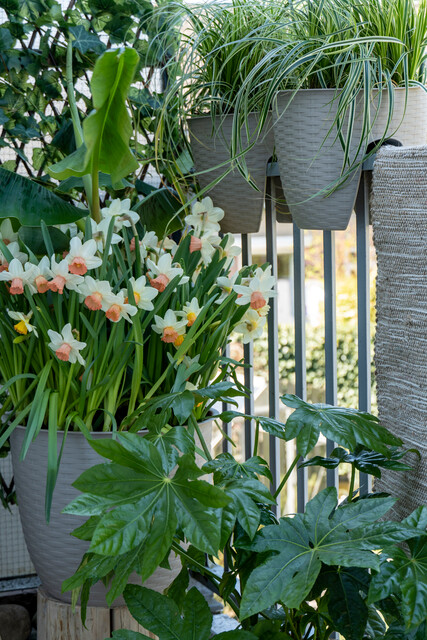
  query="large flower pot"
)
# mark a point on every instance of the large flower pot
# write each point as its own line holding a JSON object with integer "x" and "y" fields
{"x": 210, "y": 145}
{"x": 408, "y": 123}
{"x": 311, "y": 157}
{"x": 56, "y": 554}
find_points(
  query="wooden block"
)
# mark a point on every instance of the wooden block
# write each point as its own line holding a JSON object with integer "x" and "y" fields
{"x": 57, "y": 621}
{"x": 122, "y": 619}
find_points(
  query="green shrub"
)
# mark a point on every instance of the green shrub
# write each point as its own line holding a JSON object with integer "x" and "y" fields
{"x": 347, "y": 358}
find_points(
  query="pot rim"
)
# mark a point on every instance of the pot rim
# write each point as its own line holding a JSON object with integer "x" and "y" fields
{"x": 214, "y": 416}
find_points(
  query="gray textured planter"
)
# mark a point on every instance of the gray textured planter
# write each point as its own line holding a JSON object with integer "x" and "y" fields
{"x": 242, "y": 203}
{"x": 56, "y": 554}
{"x": 409, "y": 125}
{"x": 310, "y": 160}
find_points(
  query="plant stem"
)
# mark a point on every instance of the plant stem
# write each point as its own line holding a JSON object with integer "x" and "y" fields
{"x": 197, "y": 429}
{"x": 352, "y": 479}
{"x": 255, "y": 453}
{"x": 95, "y": 209}
{"x": 77, "y": 127}
{"x": 286, "y": 476}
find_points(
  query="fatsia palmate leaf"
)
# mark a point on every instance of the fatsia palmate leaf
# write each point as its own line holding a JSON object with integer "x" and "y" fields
{"x": 160, "y": 615}
{"x": 405, "y": 574}
{"x": 326, "y": 534}
{"x": 363, "y": 459}
{"x": 346, "y": 427}
{"x": 141, "y": 502}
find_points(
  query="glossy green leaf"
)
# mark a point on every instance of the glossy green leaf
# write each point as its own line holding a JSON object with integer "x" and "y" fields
{"x": 225, "y": 467}
{"x": 346, "y": 427}
{"x": 142, "y": 503}
{"x": 363, "y": 459}
{"x": 404, "y": 574}
{"x": 107, "y": 130}
{"x": 30, "y": 203}
{"x": 160, "y": 614}
{"x": 346, "y": 606}
{"x": 32, "y": 237}
{"x": 125, "y": 634}
{"x": 158, "y": 212}
{"x": 324, "y": 534}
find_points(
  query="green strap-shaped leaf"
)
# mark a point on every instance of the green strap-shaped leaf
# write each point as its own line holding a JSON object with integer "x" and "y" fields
{"x": 107, "y": 130}
{"x": 30, "y": 203}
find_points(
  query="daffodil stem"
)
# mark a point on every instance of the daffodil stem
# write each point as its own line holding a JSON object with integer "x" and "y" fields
{"x": 65, "y": 396}
{"x": 75, "y": 118}
{"x": 286, "y": 477}
{"x": 197, "y": 429}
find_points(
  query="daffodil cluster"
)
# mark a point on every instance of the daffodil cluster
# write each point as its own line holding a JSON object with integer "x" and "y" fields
{"x": 113, "y": 318}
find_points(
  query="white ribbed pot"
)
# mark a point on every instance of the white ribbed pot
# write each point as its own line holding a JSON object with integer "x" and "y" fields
{"x": 310, "y": 158}
{"x": 55, "y": 553}
{"x": 210, "y": 146}
{"x": 408, "y": 125}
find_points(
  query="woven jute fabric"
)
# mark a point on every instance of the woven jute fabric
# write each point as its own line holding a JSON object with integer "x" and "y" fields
{"x": 399, "y": 216}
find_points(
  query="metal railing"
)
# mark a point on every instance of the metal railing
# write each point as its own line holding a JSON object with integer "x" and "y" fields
{"x": 277, "y": 466}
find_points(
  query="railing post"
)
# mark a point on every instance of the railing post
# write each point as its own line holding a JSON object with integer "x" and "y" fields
{"x": 330, "y": 338}
{"x": 273, "y": 335}
{"x": 363, "y": 307}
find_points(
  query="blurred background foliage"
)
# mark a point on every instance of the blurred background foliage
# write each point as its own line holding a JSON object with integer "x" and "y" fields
{"x": 35, "y": 122}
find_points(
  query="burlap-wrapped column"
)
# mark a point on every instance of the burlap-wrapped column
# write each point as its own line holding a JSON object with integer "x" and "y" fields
{"x": 399, "y": 214}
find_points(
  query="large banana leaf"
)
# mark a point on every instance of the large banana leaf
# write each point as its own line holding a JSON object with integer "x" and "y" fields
{"x": 30, "y": 203}
{"x": 107, "y": 130}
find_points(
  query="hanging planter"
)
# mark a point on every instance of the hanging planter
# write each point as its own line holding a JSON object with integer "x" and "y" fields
{"x": 55, "y": 553}
{"x": 210, "y": 145}
{"x": 408, "y": 124}
{"x": 311, "y": 157}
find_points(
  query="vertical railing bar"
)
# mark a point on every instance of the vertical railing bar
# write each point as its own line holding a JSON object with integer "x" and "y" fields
{"x": 300, "y": 351}
{"x": 330, "y": 338}
{"x": 363, "y": 308}
{"x": 273, "y": 335}
{"x": 248, "y": 351}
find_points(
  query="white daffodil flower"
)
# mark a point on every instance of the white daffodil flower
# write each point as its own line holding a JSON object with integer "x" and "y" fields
{"x": 116, "y": 307}
{"x": 143, "y": 293}
{"x": 71, "y": 228}
{"x": 62, "y": 277}
{"x": 163, "y": 272}
{"x": 81, "y": 256}
{"x": 251, "y": 325}
{"x": 94, "y": 292}
{"x": 20, "y": 276}
{"x": 23, "y": 325}
{"x": 121, "y": 212}
{"x": 147, "y": 244}
{"x": 100, "y": 232}
{"x": 65, "y": 346}
{"x": 16, "y": 253}
{"x": 204, "y": 216}
{"x": 170, "y": 327}
{"x": 257, "y": 291}
{"x": 229, "y": 250}
{"x": 207, "y": 244}
{"x": 190, "y": 311}
{"x": 44, "y": 273}
{"x": 226, "y": 285}
{"x": 7, "y": 234}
